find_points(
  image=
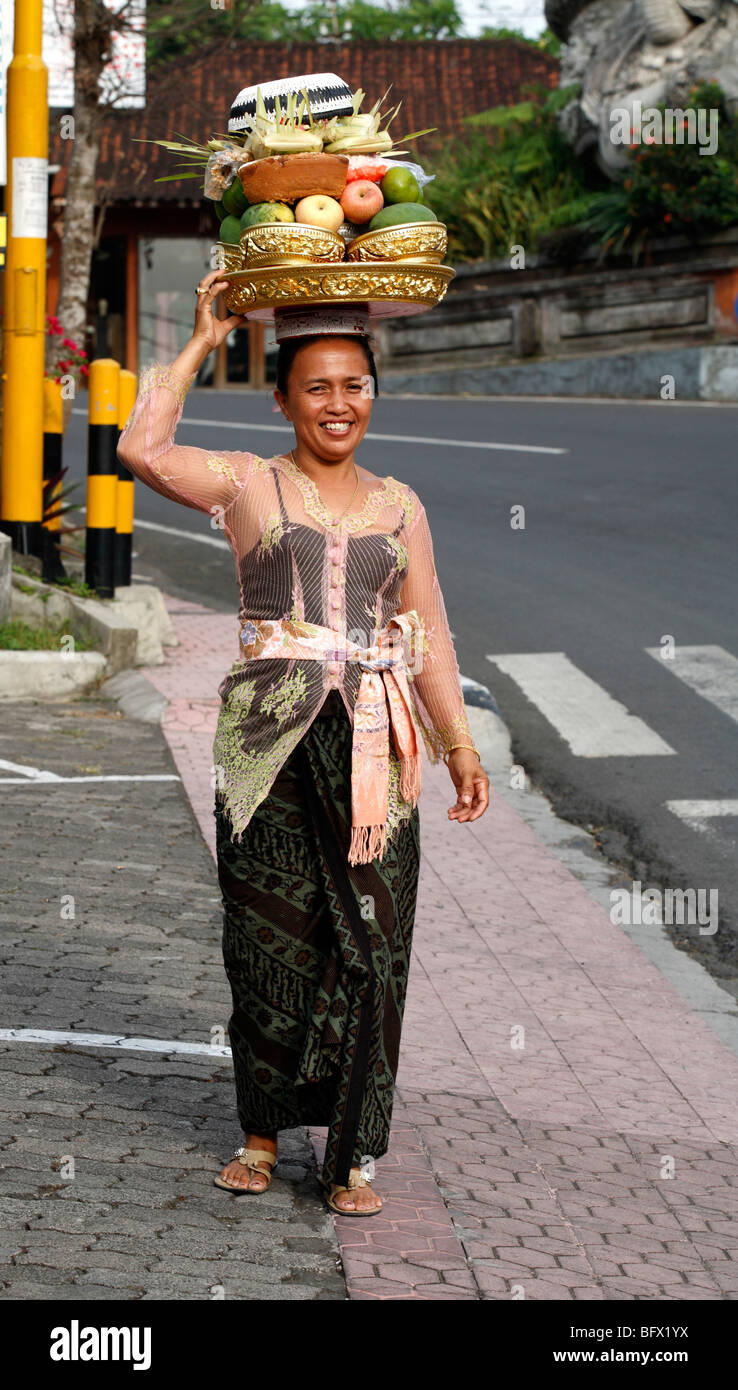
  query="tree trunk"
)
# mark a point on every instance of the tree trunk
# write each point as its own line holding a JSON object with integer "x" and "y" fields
{"x": 93, "y": 25}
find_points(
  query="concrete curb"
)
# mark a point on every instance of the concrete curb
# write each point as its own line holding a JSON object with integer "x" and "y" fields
{"x": 49, "y": 675}
{"x": 135, "y": 696}
{"x": 6, "y": 548}
{"x": 111, "y": 633}
{"x": 129, "y": 630}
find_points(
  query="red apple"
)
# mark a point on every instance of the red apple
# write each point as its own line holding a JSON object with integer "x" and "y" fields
{"x": 361, "y": 200}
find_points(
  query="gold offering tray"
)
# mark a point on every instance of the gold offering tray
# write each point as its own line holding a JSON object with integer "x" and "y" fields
{"x": 390, "y": 288}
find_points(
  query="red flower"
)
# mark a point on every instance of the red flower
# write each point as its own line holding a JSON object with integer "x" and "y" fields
{"x": 667, "y": 217}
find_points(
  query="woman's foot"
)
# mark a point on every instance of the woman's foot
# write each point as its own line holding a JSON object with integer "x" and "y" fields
{"x": 255, "y": 1178}
{"x": 357, "y": 1198}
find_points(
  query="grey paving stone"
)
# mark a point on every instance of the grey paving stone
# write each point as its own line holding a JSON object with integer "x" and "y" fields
{"x": 148, "y": 1131}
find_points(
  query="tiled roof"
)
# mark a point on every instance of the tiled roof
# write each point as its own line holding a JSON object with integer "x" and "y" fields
{"x": 439, "y": 82}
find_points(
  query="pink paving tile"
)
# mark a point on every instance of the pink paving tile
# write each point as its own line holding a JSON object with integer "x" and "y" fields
{"x": 534, "y": 1165}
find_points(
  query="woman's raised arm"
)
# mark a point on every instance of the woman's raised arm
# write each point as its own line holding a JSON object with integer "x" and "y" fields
{"x": 197, "y": 478}
{"x": 436, "y": 685}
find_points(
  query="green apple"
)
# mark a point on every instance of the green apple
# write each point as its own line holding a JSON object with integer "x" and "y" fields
{"x": 266, "y": 212}
{"x": 400, "y": 186}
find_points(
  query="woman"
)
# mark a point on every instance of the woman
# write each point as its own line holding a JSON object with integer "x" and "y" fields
{"x": 317, "y": 754}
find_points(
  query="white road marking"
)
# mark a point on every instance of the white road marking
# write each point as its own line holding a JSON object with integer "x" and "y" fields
{"x": 695, "y": 814}
{"x": 27, "y": 770}
{"x": 178, "y": 531}
{"x": 246, "y": 426}
{"x": 384, "y": 438}
{"x": 41, "y": 777}
{"x": 50, "y": 1038}
{"x": 710, "y": 671}
{"x": 175, "y": 531}
{"x": 592, "y": 723}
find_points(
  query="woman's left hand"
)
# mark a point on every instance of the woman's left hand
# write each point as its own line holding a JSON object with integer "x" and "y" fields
{"x": 471, "y": 783}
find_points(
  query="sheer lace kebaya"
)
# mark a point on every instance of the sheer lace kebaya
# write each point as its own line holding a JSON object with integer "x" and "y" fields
{"x": 320, "y": 593}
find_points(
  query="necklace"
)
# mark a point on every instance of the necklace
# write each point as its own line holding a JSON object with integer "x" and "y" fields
{"x": 338, "y": 518}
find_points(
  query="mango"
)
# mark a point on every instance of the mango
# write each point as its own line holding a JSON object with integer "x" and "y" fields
{"x": 396, "y": 213}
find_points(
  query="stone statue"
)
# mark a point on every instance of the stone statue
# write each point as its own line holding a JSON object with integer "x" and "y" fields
{"x": 630, "y": 52}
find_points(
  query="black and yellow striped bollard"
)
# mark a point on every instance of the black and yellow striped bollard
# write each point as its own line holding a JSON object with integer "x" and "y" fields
{"x": 124, "y": 503}
{"x": 52, "y": 566}
{"x": 102, "y": 475}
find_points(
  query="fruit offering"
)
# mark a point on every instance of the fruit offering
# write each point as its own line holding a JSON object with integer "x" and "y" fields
{"x": 300, "y": 151}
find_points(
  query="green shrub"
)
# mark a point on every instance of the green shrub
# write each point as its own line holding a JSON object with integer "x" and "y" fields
{"x": 515, "y": 181}
{"x": 671, "y": 189}
{"x": 502, "y": 184}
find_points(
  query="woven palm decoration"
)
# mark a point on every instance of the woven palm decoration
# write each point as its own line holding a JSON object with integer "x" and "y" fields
{"x": 328, "y": 95}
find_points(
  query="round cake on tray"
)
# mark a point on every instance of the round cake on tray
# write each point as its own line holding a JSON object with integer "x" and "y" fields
{"x": 316, "y": 205}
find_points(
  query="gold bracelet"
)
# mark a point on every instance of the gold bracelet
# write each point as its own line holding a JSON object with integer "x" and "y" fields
{"x": 460, "y": 745}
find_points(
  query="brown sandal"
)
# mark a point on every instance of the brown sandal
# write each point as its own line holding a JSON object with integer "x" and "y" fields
{"x": 250, "y": 1158}
{"x": 356, "y": 1179}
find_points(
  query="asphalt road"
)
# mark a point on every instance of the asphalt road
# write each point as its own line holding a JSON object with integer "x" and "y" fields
{"x": 629, "y": 538}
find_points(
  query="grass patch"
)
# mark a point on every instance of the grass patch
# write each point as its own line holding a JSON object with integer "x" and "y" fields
{"x": 17, "y": 636}
{"x": 76, "y": 586}
{"x": 71, "y": 585}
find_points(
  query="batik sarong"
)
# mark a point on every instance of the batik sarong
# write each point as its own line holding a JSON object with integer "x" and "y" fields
{"x": 317, "y": 953}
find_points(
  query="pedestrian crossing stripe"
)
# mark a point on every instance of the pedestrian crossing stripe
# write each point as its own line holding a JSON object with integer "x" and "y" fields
{"x": 710, "y": 671}
{"x": 584, "y": 715}
{"x": 697, "y": 814}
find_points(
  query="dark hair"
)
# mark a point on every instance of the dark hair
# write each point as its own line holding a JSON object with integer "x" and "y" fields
{"x": 289, "y": 349}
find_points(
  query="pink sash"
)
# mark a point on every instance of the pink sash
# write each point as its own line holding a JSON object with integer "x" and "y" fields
{"x": 383, "y": 696}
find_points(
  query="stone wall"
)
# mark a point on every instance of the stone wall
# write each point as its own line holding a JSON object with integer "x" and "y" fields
{"x": 495, "y": 316}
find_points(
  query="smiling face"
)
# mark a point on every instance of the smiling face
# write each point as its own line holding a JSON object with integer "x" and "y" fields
{"x": 328, "y": 397}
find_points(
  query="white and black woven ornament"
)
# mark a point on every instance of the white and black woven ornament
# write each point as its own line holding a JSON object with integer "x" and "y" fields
{"x": 328, "y": 95}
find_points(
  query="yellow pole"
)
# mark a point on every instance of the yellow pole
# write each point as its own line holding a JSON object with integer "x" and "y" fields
{"x": 24, "y": 310}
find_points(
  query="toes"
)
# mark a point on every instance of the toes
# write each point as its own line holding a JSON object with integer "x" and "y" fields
{"x": 345, "y": 1201}
{"x": 368, "y": 1201}
{"x": 235, "y": 1175}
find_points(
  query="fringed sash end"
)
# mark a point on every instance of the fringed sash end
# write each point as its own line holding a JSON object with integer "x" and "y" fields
{"x": 367, "y": 841}
{"x": 410, "y": 774}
